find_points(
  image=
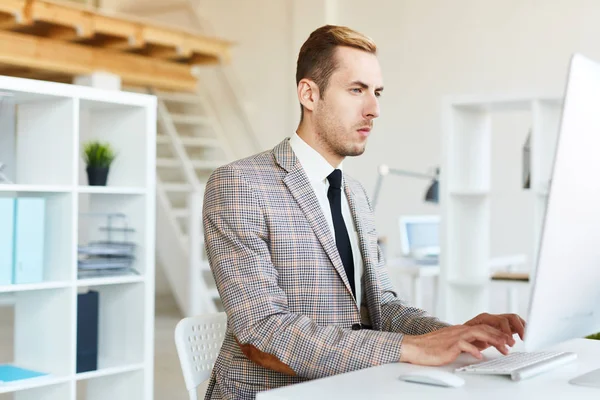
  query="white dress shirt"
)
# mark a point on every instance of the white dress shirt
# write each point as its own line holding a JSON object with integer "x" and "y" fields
{"x": 317, "y": 170}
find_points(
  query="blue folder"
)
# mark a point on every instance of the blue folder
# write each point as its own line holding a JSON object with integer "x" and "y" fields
{"x": 29, "y": 240}
{"x": 10, "y": 373}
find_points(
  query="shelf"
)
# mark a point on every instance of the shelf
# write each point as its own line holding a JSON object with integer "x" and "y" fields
{"x": 111, "y": 190}
{"x": 110, "y": 280}
{"x": 41, "y": 144}
{"x": 49, "y": 189}
{"x": 33, "y": 383}
{"x": 109, "y": 371}
{"x": 34, "y": 286}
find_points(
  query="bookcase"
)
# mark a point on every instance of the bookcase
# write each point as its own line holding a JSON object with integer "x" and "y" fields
{"x": 466, "y": 187}
{"x": 53, "y": 121}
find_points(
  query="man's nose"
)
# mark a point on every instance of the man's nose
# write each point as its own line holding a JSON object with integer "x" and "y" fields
{"x": 371, "y": 110}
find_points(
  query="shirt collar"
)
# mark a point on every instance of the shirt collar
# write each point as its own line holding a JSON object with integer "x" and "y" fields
{"x": 315, "y": 165}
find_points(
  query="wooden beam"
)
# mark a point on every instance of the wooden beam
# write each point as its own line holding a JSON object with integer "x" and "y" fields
{"x": 127, "y": 33}
{"x": 74, "y": 59}
{"x": 63, "y": 15}
{"x": 121, "y": 44}
{"x": 8, "y": 22}
{"x": 153, "y": 9}
{"x": 15, "y": 6}
{"x": 201, "y": 59}
{"x": 65, "y": 33}
{"x": 164, "y": 52}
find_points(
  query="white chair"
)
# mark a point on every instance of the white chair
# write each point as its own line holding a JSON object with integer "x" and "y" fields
{"x": 198, "y": 340}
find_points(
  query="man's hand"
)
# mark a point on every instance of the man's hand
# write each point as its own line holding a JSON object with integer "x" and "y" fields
{"x": 507, "y": 323}
{"x": 444, "y": 345}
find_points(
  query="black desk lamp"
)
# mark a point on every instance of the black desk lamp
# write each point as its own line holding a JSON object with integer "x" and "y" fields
{"x": 432, "y": 194}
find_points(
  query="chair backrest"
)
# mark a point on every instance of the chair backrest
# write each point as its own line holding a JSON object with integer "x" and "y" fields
{"x": 198, "y": 340}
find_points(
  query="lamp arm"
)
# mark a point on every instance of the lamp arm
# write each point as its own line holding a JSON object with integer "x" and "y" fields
{"x": 384, "y": 170}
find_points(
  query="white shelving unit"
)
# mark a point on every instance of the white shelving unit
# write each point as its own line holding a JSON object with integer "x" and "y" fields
{"x": 466, "y": 187}
{"x": 52, "y": 123}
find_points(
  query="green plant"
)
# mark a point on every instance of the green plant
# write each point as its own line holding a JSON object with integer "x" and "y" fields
{"x": 98, "y": 154}
{"x": 595, "y": 336}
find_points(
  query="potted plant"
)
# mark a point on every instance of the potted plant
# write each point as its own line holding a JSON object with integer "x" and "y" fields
{"x": 98, "y": 156}
{"x": 595, "y": 336}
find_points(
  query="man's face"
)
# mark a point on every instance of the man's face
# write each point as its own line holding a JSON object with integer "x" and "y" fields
{"x": 344, "y": 114}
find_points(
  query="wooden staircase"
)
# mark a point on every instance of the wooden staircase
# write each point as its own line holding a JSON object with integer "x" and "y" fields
{"x": 190, "y": 145}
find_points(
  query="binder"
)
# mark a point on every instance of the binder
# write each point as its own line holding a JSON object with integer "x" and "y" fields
{"x": 7, "y": 217}
{"x": 11, "y": 373}
{"x": 87, "y": 331}
{"x": 29, "y": 240}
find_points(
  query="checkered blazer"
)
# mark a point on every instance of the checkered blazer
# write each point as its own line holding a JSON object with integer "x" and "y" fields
{"x": 291, "y": 315}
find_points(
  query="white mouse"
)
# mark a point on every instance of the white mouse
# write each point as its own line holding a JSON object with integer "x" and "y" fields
{"x": 433, "y": 376}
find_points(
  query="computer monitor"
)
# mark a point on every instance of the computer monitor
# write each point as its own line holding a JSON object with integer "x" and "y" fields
{"x": 565, "y": 297}
{"x": 419, "y": 237}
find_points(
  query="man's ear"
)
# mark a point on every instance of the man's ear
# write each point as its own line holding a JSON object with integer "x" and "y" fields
{"x": 308, "y": 93}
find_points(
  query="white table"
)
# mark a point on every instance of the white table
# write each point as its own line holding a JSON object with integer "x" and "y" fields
{"x": 410, "y": 268}
{"x": 382, "y": 382}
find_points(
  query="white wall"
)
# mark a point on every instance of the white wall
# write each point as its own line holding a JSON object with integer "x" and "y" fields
{"x": 428, "y": 49}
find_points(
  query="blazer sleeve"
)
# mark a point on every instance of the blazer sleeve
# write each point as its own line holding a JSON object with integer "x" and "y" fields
{"x": 398, "y": 315}
{"x": 237, "y": 238}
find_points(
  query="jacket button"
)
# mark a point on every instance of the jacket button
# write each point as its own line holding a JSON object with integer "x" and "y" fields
{"x": 356, "y": 327}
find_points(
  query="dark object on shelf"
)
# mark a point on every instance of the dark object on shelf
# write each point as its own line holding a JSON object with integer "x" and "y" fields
{"x": 87, "y": 331}
{"x": 97, "y": 176}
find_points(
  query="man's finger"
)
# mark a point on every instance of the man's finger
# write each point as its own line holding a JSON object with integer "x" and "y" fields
{"x": 517, "y": 324}
{"x": 467, "y": 347}
{"x": 505, "y": 325}
{"x": 501, "y": 334}
{"x": 498, "y": 340}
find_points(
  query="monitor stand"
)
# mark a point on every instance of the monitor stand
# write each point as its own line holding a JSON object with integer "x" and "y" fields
{"x": 591, "y": 379}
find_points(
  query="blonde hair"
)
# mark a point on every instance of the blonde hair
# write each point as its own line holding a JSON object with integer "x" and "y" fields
{"x": 316, "y": 60}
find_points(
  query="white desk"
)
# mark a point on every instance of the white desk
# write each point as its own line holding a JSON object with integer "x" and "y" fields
{"x": 382, "y": 382}
{"x": 407, "y": 266}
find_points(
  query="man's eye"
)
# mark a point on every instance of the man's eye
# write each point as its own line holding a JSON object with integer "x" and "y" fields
{"x": 357, "y": 90}
{"x": 377, "y": 94}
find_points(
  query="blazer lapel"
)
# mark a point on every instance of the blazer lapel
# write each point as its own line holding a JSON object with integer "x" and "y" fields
{"x": 371, "y": 286}
{"x": 302, "y": 191}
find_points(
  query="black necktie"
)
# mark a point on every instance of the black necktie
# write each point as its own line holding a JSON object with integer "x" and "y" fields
{"x": 342, "y": 240}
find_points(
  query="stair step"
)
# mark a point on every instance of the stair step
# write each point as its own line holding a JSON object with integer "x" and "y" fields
{"x": 200, "y": 142}
{"x": 190, "y": 141}
{"x": 207, "y": 164}
{"x": 181, "y": 212}
{"x": 163, "y": 139}
{"x": 177, "y": 187}
{"x": 168, "y": 162}
{"x": 190, "y": 119}
{"x": 175, "y": 97}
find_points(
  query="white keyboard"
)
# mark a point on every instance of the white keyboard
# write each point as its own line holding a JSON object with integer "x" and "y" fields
{"x": 520, "y": 365}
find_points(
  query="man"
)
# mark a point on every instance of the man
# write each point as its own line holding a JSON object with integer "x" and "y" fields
{"x": 293, "y": 247}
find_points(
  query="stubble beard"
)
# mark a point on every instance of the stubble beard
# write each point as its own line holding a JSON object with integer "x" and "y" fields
{"x": 333, "y": 137}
